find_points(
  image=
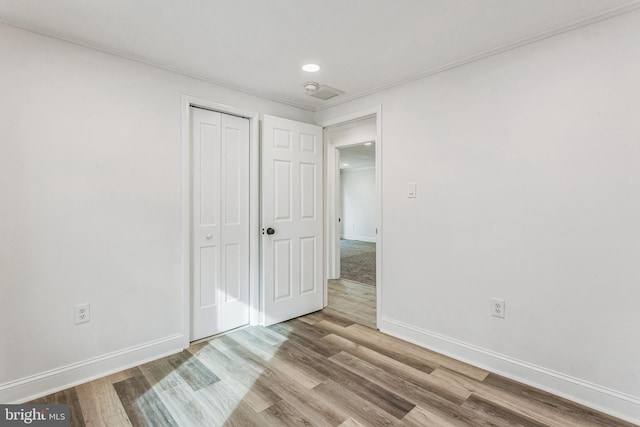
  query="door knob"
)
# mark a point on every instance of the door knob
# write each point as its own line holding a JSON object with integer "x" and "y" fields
{"x": 209, "y": 236}
{"x": 271, "y": 231}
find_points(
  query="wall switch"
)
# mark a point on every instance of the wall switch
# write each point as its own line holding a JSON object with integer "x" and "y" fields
{"x": 411, "y": 190}
{"x": 497, "y": 307}
{"x": 82, "y": 313}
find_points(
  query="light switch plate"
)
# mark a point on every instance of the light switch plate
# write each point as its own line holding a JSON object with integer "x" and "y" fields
{"x": 411, "y": 193}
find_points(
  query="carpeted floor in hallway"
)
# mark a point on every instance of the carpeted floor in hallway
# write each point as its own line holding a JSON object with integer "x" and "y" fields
{"x": 358, "y": 261}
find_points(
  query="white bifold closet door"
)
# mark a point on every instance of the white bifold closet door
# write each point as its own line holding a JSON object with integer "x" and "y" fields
{"x": 220, "y": 218}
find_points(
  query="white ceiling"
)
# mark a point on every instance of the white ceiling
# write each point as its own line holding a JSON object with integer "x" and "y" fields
{"x": 258, "y": 46}
{"x": 358, "y": 156}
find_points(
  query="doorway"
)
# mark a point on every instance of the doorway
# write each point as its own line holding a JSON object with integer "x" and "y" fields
{"x": 357, "y": 213}
{"x": 353, "y": 218}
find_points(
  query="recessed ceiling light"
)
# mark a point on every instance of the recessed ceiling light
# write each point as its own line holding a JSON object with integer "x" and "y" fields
{"x": 345, "y": 164}
{"x": 368, "y": 143}
{"x": 311, "y": 68}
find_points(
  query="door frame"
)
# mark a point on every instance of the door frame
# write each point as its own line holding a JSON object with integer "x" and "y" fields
{"x": 332, "y": 193}
{"x": 186, "y": 201}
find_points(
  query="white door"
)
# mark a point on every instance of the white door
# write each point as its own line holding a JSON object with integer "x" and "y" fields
{"x": 292, "y": 206}
{"x": 220, "y": 235}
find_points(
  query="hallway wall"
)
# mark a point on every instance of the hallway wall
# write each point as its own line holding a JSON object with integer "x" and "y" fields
{"x": 358, "y": 193}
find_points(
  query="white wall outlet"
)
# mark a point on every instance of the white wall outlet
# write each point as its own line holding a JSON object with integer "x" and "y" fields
{"x": 497, "y": 307}
{"x": 82, "y": 313}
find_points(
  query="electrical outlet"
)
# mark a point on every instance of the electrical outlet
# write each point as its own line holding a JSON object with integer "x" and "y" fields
{"x": 82, "y": 313}
{"x": 497, "y": 307}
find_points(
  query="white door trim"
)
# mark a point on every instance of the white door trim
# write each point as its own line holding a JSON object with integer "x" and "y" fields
{"x": 254, "y": 207}
{"x": 332, "y": 194}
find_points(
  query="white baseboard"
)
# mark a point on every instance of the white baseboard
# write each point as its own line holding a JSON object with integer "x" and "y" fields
{"x": 600, "y": 398}
{"x": 44, "y": 383}
{"x": 360, "y": 238}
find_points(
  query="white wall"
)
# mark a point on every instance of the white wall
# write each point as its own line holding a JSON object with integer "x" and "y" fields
{"x": 358, "y": 195}
{"x": 528, "y": 172}
{"x": 90, "y": 175}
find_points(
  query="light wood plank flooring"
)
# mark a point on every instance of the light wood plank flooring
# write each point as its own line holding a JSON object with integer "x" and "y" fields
{"x": 318, "y": 370}
{"x": 352, "y": 300}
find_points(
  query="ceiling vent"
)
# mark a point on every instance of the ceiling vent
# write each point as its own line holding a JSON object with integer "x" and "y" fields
{"x": 325, "y": 92}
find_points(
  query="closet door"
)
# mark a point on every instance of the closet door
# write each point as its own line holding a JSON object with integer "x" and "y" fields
{"x": 220, "y": 218}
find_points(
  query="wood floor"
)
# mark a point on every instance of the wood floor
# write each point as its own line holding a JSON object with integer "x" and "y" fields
{"x": 318, "y": 370}
{"x": 352, "y": 300}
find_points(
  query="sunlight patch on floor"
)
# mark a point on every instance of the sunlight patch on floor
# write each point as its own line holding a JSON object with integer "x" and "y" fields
{"x": 235, "y": 368}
